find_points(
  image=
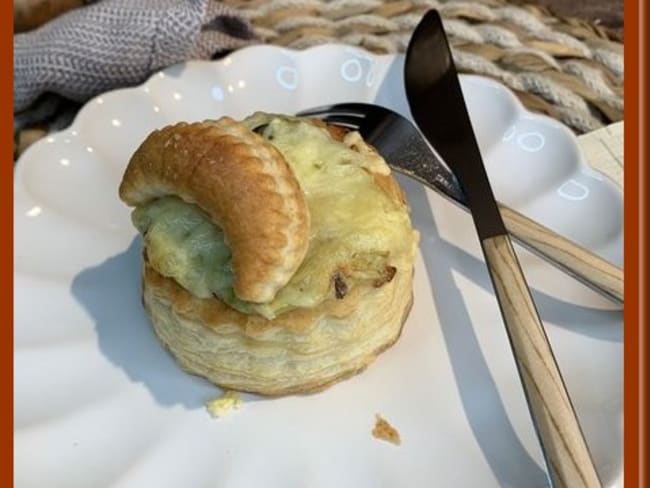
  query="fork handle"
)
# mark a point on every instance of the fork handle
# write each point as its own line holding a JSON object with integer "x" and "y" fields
{"x": 569, "y": 462}
{"x": 573, "y": 258}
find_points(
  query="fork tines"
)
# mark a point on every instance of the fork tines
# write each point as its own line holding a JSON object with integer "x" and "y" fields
{"x": 350, "y": 115}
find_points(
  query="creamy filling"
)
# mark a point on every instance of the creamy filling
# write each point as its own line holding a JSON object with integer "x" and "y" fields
{"x": 356, "y": 229}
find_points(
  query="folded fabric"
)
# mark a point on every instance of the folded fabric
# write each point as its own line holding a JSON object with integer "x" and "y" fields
{"x": 115, "y": 43}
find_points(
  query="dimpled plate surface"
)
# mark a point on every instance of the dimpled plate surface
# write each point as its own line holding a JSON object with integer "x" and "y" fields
{"x": 99, "y": 403}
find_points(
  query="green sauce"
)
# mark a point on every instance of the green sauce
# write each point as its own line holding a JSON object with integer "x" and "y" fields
{"x": 355, "y": 227}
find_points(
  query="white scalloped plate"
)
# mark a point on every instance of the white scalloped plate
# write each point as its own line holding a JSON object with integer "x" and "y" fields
{"x": 99, "y": 403}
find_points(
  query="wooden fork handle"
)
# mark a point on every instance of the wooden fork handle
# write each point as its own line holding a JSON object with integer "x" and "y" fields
{"x": 566, "y": 451}
{"x": 576, "y": 260}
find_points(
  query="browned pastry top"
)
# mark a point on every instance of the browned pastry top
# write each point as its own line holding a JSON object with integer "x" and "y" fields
{"x": 242, "y": 182}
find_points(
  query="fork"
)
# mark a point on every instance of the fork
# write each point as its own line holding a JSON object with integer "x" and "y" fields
{"x": 406, "y": 151}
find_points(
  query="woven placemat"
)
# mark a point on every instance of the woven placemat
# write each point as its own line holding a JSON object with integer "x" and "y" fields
{"x": 567, "y": 68}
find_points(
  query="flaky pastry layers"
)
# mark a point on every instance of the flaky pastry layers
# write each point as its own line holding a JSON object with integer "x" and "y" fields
{"x": 306, "y": 348}
{"x": 301, "y": 351}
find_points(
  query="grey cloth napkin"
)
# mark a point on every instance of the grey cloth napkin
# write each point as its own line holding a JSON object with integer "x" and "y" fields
{"x": 111, "y": 44}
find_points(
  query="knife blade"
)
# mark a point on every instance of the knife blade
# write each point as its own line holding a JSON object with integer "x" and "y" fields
{"x": 409, "y": 153}
{"x": 431, "y": 80}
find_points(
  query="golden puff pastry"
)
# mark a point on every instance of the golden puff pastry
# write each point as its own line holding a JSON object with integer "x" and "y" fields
{"x": 343, "y": 303}
{"x": 245, "y": 186}
{"x": 301, "y": 351}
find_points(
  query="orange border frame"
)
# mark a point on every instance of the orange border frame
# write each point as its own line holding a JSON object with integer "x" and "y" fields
{"x": 635, "y": 261}
{"x": 636, "y": 242}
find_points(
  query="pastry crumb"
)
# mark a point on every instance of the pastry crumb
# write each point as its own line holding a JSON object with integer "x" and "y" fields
{"x": 219, "y": 407}
{"x": 385, "y": 432}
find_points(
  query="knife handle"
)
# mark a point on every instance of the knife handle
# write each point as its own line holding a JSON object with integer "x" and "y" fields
{"x": 573, "y": 258}
{"x": 566, "y": 451}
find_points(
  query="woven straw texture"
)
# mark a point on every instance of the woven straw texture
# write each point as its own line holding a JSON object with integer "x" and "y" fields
{"x": 567, "y": 68}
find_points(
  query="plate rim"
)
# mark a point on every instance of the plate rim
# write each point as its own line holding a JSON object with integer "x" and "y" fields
{"x": 582, "y": 162}
{"x": 567, "y": 133}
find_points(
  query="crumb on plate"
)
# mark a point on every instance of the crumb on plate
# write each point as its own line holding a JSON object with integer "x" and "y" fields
{"x": 386, "y": 432}
{"x": 219, "y": 407}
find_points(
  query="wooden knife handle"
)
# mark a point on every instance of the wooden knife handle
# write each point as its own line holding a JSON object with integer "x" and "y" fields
{"x": 566, "y": 451}
{"x": 578, "y": 261}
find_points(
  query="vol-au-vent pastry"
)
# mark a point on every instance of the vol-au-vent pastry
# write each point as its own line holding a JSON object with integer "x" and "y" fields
{"x": 277, "y": 251}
